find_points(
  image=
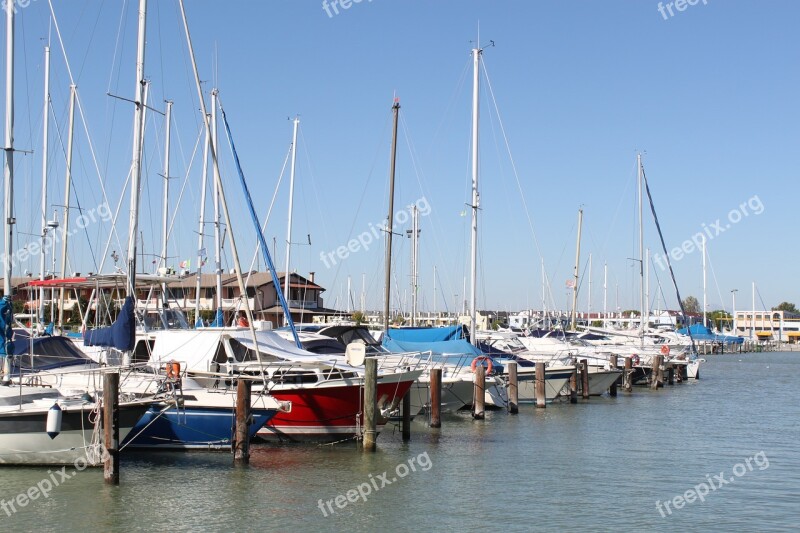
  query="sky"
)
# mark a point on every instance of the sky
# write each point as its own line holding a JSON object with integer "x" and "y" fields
{"x": 570, "y": 92}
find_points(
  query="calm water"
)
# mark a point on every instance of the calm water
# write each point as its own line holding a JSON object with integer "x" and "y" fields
{"x": 599, "y": 465}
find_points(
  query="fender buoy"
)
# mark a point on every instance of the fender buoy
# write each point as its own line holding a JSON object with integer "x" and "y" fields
{"x": 635, "y": 360}
{"x": 665, "y": 349}
{"x": 480, "y": 359}
{"x": 173, "y": 369}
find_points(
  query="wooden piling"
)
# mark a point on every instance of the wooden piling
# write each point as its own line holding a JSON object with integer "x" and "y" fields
{"x": 407, "y": 416}
{"x": 585, "y": 379}
{"x": 111, "y": 427}
{"x": 479, "y": 393}
{"x": 513, "y": 388}
{"x": 627, "y": 376}
{"x": 370, "y": 404}
{"x": 573, "y": 383}
{"x": 241, "y": 438}
{"x": 436, "y": 397}
{"x": 671, "y": 375}
{"x": 656, "y": 372}
{"x": 541, "y": 396}
{"x": 612, "y": 362}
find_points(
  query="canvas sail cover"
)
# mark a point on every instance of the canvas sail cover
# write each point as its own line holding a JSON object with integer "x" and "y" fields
{"x": 120, "y": 335}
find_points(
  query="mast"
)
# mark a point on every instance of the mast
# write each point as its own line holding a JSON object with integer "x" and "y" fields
{"x": 390, "y": 223}
{"x": 753, "y": 323}
{"x": 136, "y": 170}
{"x": 218, "y": 314}
{"x": 45, "y": 136}
{"x": 473, "y": 326}
{"x": 434, "y": 291}
{"x": 646, "y": 322}
{"x": 67, "y": 189}
{"x": 414, "y": 262}
{"x": 9, "y": 148}
{"x": 544, "y": 292}
{"x": 589, "y": 297}
{"x": 201, "y": 234}
{"x": 574, "y": 321}
{"x": 165, "y": 206}
{"x": 363, "y": 293}
{"x": 641, "y": 250}
{"x": 287, "y": 275}
{"x": 703, "y": 249}
{"x": 349, "y": 309}
{"x": 605, "y": 291}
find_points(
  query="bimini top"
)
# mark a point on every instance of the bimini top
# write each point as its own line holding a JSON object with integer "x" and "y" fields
{"x": 49, "y": 353}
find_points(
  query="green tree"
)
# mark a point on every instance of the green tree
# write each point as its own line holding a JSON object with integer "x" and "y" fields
{"x": 359, "y": 318}
{"x": 691, "y": 305}
{"x": 786, "y": 306}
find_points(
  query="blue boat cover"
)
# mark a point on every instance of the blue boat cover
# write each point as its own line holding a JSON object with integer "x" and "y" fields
{"x": 702, "y": 333}
{"x": 49, "y": 353}
{"x": 460, "y": 346}
{"x": 6, "y": 323}
{"x": 219, "y": 321}
{"x": 120, "y": 335}
{"x": 448, "y": 333}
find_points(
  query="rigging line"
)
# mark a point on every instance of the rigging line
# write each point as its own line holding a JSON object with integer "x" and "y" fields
{"x": 434, "y": 227}
{"x": 185, "y": 181}
{"x": 714, "y": 275}
{"x": 313, "y": 181}
{"x": 83, "y": 121}
{"x": 120, "y": 30}
{"x": 269, "y": 213}
{"x": 91, "y": 37}
{"x": 666, "y": 256}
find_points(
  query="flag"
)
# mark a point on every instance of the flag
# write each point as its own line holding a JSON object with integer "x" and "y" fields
{"x": 186, "y": 264}
{"x": 203, "y": 255}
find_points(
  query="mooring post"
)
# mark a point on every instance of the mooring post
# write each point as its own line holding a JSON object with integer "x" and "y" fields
{"x": 573, "y": 382}
{"x": 407, "y": 416}
{"x": 370, "y": 403}
{"x": 656, "y": 369}
{"x": 436, "y": 397}
{"x": 585, "y": 378}
{"x": 479, "y": 394}
{"x": 612, "y": 363}
{"x": 513, "y": 388}
{"x": 241, "y": 439}
{"x": 111, "y": 427}
{"x": 671, "y": 375}
{"x": 540, "y": 391}
{"x": 627, "y": 376}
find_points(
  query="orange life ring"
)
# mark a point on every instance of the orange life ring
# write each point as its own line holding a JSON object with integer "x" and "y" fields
{"x": 482, "y": 358}
{"x": 173, "y": 369}
{"x": 665, "y": 349}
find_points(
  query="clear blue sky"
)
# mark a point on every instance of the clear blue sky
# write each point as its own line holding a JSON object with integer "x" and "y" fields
{"x": 710, "y": 93}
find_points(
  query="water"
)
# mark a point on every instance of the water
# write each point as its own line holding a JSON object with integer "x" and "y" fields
{"x": 600, "y": 465}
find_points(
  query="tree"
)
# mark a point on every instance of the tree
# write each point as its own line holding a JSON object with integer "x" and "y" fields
{"x": 691, "y": 305}
{"x": 786, "y": 306}
{"x": 359, "y": 318}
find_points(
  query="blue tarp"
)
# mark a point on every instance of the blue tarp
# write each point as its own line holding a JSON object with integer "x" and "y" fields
{"x": 219, "y": 321}
{"x": 6, "y": 329}
{"x": 49, "y": 353}
{"x": 702, "y": 333}
{"x": 426, "y": 334}
{"x": 438, "y": 348}
{"x": 120, "y": 335}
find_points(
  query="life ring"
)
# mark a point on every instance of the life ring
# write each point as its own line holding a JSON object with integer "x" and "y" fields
{"x": 482, "y": 358}
{"x": 635, "y": 360}
{"x": 665, "y": 349}
{"x": 173, "y": 369}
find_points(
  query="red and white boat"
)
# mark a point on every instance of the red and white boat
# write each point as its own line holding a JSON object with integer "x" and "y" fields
{"x": 327, "y": 396}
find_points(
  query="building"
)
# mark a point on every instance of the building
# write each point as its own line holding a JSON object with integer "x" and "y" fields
{"x": 768, "y": 325}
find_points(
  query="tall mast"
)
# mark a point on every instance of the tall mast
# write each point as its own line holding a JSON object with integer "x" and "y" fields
{"x": 287, "y": 276}
{"x": 589, "y": 296}
{"x": 45, "y": 135}
{"x": 641, "y": 249}
{"x": 473, "y": 325}
{"x": 67, "y": 190}
{"x": 363, "y": 293}
{"x": 434, "y": 291}
{"x": 605, "y": 290}
{"x": 217, "y": 225}
{"x": 9, "y": 220}
{"x": 646, "y": 319}
{"x": 414, "y": 262}
{"x": 165, "y": 206}
{"x": 136, "y": 169}
{"x": 574, "y": 321}
{"x": 753, "y": 314}
{"x": 544, "y": 291}
{"x": 703, "y": 249}
{"x": 387, "y": 287}
{"x": 201, "y": 234}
